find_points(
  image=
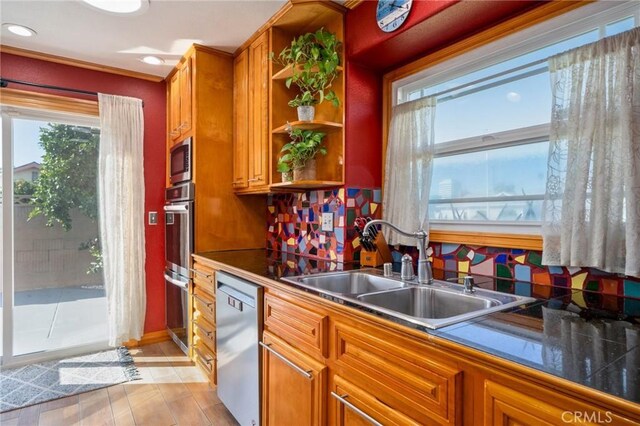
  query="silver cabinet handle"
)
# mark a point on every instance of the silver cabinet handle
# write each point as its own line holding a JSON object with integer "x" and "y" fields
{"x": 306, "y": 374}
{"x": 198, "y": 272}
{"x": 201, "y": 328}
{"x": 355, "y": 409}
{"x": 204, "y": 302}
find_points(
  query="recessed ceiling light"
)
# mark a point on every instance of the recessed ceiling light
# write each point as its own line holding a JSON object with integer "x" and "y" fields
{"x": 152, "y": 60}
{"x": 119, "y": 6}
{"x": 20, "y": 30}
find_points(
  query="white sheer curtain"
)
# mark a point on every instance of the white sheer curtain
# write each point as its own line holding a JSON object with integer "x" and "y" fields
{"x": 409, "y": 168}
{"x": 121, "y": 206}
{"x": 592, "y": 202}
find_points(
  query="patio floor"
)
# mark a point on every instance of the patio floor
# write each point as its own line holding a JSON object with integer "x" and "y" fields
{"x": 57, "y": 318}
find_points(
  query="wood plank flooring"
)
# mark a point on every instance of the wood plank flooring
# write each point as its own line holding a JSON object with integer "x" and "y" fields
{"x": 172, "y": 392}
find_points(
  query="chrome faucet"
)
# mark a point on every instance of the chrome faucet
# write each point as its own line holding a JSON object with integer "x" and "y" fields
{"x": 425, "y": 275}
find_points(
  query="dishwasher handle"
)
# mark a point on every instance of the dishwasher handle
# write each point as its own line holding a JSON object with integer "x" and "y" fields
{"x": 237, "y": 298}
{"x": 300, "y": 370}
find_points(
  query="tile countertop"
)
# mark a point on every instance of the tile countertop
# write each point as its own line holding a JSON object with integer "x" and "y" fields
{"x": 588, "y": 338}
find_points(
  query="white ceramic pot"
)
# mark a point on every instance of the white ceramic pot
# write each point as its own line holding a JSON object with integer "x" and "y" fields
{"x": 306, "y": 113}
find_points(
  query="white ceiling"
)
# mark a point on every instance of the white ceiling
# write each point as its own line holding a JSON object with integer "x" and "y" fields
{"x": 72, "y": 29}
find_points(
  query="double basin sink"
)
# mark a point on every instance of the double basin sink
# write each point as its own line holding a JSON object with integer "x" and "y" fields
{"x": 431, "y": 305}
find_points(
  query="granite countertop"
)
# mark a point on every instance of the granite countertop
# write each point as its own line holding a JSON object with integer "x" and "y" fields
{"x": 588, "y": 338}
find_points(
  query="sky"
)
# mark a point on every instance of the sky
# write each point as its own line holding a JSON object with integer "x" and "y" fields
{"x": 26, "y": 137}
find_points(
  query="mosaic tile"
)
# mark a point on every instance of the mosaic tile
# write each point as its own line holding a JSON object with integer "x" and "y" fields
{"x": 502, "y": 271}
{"x": 449, "y": 248}
{"x": 631, "y": 289}
{"x": 541, "y": 278}
{"x": 462, "y": 253}
{"x": 502, "y": 258}
{"x": 522, "y": 272}
{"x": 535, "y": 258}
{"x": 478, "y": 258}
{"x": 632, "y": 307}
{"x": 377, "y": 196}
{"x": 556, "y": 270}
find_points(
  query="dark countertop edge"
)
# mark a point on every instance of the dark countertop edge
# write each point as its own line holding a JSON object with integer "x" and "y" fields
{"x": 435, "y": 337}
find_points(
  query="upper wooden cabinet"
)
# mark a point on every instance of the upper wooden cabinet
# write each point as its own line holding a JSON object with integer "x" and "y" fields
{"x": 200, "y": 106}
{"x": 251, "y": 118}
{"x": 261, "y": 110}
{"x": 241, "y": 120}
{"x": 180, "y": 101}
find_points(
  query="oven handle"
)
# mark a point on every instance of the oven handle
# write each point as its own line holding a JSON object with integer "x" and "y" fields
{"x": 176, "y": 208}
{"x": 181, "y": 284}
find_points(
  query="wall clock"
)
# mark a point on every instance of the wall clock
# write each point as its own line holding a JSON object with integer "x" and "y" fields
{"x": 392, "y": 13}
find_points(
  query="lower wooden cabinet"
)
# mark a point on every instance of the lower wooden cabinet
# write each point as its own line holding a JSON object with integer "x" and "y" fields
{"x": 293, "y": 385}
{"x": 203, "y": 319}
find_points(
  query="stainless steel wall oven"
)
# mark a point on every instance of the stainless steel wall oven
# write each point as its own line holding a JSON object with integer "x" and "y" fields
{"x": 178, "y": 211}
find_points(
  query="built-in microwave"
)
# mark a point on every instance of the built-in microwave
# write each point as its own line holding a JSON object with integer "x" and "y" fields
{"x": 180, "y": 162}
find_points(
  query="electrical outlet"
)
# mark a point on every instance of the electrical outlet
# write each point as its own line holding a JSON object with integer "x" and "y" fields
{"x": 327, "y": 222}
{"x": 153, "y": 218}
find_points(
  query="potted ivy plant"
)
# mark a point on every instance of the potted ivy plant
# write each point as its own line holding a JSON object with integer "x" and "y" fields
{"x": 298, "y": 155}
{"x": 314, "y": 60}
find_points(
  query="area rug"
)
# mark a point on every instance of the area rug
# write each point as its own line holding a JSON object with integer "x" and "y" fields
{"x": 45, "y": 381}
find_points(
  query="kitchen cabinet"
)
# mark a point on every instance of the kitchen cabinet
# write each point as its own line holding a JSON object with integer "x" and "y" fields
{"x": 202, "y": 111}
{"x": 293, "y": 385}
{"x": 203, "y": 319}
{"x": 251, "y": 121}
{"x": 261, "y": 111}
{"x": 361, "y": 367}
{"x": 180, "y": 101}
{"x": 241, "y": 120}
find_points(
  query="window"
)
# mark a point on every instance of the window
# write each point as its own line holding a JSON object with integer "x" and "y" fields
{"x": 492, "y": 120}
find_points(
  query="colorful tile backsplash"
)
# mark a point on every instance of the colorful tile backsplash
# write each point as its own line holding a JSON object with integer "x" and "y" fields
{"x": 294, "y": 226}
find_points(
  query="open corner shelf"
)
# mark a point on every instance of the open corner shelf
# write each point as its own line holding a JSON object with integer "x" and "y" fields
{"x": 326, "y": 126}
{"x": 287, "y": 72}
{"x": 303, "y": 185}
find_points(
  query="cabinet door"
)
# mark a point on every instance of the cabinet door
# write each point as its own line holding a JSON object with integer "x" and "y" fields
{"x": 504, "y": 406}
{"x": 293, "y": 385}
{"x": 240, "y": 119}
{"x": 353, "y": 406}
{"x": 174, "y": 106}
{"x": 186, "y": 99}
{"x": 259, "y": 111}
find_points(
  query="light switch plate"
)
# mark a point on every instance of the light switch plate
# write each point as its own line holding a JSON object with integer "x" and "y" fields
{"x": 327, "y": 222}
{"x": 153, "y": 218}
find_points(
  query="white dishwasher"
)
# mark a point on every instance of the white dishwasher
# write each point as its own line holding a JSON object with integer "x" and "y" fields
{"x": 238, "y": 331}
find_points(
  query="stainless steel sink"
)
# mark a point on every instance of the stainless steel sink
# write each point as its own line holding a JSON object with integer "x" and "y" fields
{"x": 347, "y": 283}
{"x": 433, "y": 306}
{"x": 428, "y": 302}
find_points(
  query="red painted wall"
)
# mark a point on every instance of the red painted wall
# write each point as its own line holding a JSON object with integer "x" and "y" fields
{"x": 154, "y": 97}
{"x": 370, "y": 53}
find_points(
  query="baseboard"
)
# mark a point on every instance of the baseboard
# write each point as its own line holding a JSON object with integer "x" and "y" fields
{"x": 148, "y": 339}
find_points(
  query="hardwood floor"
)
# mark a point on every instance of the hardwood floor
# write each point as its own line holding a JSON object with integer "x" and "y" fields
{"x": 172, "y": 392}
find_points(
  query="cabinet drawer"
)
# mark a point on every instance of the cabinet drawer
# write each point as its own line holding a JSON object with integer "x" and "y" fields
{"x": 297, "y": 325}
{"x": 399, "y": 373}
{"x": 205, "y": 359}
{"x": 205, "y": 333}
{"x": 204, "y": 305}
{"x": 203, "y": 276}
{"x": 352, "y": 405}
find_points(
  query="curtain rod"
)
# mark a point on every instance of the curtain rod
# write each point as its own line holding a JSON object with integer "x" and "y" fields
{"x": 4, "y": 82}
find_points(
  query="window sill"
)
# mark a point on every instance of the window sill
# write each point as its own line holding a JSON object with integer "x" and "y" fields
{"x": 487, "y": 239}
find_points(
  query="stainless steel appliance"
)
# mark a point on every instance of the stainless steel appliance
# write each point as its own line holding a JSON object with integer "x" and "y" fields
{"x": 238, "y": 330}
{"x": 180, "y": 162}
{"x": 178, "y": 249}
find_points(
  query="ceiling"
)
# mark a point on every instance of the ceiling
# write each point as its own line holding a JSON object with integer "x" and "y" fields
{"x": 72, "y": 29}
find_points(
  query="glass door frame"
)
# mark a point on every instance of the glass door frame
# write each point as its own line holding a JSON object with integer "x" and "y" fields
{"x": 8, "y": 358}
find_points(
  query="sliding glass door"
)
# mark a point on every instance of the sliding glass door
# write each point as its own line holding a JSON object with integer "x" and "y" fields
{"x": 53, "y": 300}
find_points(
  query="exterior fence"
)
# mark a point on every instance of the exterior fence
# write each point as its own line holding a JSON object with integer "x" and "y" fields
{"x": 49, "y": 257}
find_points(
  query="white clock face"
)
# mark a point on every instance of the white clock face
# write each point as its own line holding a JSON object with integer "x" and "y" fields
{"x": 392, "y": 13}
